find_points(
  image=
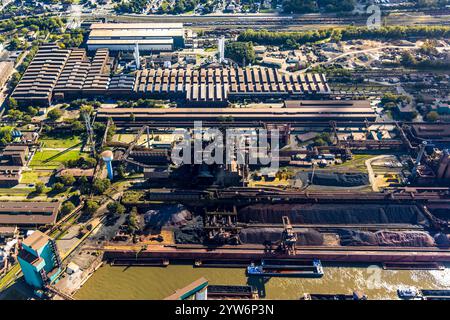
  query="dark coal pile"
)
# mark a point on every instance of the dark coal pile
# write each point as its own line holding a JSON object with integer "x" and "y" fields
{"x": 442, "y": 240}
{"x": 333, "y": 214}
{"x": 191, "y": 232}
{"x": 386, "y": 238}
{"x": 305, "y": 237}
{"x": 167, "y": 215}
{"x": 339, "y": 179}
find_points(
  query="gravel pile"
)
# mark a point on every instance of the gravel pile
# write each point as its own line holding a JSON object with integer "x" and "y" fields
{"x": 167, "y": 215}
{"x": 386, "y": 238}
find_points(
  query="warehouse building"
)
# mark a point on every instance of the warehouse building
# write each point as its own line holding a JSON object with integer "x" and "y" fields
{"x": 125, "y": 36}
{"x": 220, "y": 85}
{"x": 351, "y": 109}
{"x": 62, "y": 74}
{"x": 311, "y": 112}
{"x": 83, "y": 76}
{"x": 39, "y": 80}
{"x": 28, "y": 213}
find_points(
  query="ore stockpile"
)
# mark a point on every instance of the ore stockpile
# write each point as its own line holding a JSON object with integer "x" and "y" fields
{"x": 339, "y": 214}
{"x": 334, "y": 179}
{"x": 398, "y": 225}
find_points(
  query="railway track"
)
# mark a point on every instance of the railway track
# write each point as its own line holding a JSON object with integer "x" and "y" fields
{"x": 336, "y": 227}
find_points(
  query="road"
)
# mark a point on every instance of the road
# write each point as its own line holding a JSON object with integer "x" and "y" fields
{"x": 371, "y": 173}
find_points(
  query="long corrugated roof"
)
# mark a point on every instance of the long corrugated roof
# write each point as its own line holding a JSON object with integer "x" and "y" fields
{"x": 23, "y": 212}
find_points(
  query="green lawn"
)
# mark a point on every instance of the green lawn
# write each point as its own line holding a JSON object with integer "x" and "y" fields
{"x": 33, "y": 176}
{"x": 54, "y": 158}
{"x": 68, "y": 142}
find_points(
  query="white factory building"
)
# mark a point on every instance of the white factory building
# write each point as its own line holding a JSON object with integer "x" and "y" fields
{"x": 149, "y": 36}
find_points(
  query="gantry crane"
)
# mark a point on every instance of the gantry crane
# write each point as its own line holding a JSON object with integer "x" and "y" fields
{"x": 288, "y": 237}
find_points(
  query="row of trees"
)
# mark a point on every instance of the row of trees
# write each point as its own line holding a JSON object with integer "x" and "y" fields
{"x": 50, "y": 24}
{"x": 309, "y": 6}
{"x": 265, "y": 37}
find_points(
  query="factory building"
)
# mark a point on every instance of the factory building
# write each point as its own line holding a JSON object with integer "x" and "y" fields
{"x": 220, "y": 85}
{"x": 39, "y": 260}
{"x": 62, "y": 74}
{"x": 28, "y": 213}
{"x": 356, "y": 109}
{"x": 125, "y": 36}
{"x": 39, "y": 80}
{"x": 82, "y": 76}
{"x": 309, "y": 112}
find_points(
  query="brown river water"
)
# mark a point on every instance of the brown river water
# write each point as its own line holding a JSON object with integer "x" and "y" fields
{"x": 132, "y": 283}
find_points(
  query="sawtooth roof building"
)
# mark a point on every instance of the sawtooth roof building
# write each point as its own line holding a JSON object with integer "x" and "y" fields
{"x": 39, "y": 80}
{"x": 210, "y": 85}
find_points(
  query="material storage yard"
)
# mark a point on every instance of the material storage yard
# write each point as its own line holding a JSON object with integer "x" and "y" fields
{"x": 150, "y": 159}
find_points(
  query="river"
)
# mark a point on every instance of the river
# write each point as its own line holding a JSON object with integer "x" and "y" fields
{"x": 132, "y": 283}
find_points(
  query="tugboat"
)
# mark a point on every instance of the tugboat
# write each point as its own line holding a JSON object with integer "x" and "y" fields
{"x": 309, "y": 270}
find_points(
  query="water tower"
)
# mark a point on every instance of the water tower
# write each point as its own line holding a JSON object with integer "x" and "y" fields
{"x": 108, "y": 156}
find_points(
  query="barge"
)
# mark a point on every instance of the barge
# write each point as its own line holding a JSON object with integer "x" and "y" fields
{"x": 413, "y": 266}
{"x": 424, "y": 294}
{"x": 221, "y": 292}
{"x": 320, "y": 296}
{"x": 286, "y": 269}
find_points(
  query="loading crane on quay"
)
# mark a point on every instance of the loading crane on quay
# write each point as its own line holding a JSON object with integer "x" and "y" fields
{"x": 288, "y": 237}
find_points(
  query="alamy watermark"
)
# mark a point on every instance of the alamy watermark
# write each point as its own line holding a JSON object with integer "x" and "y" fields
{"x": 230, "y": 146}
{"x": 374, "y": 20}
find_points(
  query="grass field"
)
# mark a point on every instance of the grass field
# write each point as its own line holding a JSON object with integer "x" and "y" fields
{"x": 68, "y": 142}
{"x": 34, "y": 176}
{"x": 54, "y": 158}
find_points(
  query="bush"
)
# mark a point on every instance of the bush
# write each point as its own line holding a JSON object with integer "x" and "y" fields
{"x": 39, "y": 187}
{"x": 67, "y": 208}
{"x": 54, "y": 114}
{"x": 100, "y": 185}
{"x": 116, "y": 208}
{"x": 432, "y": 116}
{"x": 67, "y": 180}
{"x": 91, "y": 207}
{"x": 58, "y": 187}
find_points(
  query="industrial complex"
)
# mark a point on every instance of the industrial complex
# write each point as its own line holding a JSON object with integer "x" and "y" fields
{"x": 230, "y": 156}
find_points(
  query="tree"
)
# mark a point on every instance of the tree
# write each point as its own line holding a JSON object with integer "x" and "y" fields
{"x": 300, "y": 6}
{"x": 85, "y": 186}
{"x": 432, "y": 116}
{"x": 5, "y": 135}
{"x": 133, "y": 221}
{"x": 39, "y": 187}
{"x": 54, "y": 114}
{"x": 100, "y": 185}
{"x": 240, "y": 52}
{"x": 91, "y": 207}
{"x": 86, "y": 108}
{"x": 12, "y": 103}
{"x": 68, "y": 180}
{"x": 408, "y": 59}
{"x": 116, "y": 208}
{"x": 58, "y": 187}
{"x": 67, "y": 208}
